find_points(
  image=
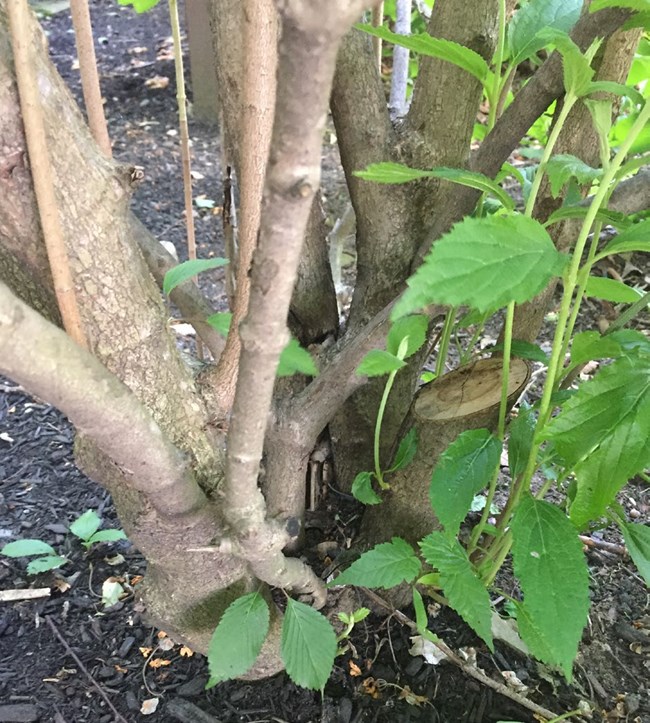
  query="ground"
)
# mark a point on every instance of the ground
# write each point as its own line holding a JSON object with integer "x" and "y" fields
{"x": 65, "y": 658}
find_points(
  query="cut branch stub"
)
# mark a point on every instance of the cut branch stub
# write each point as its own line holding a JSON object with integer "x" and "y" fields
{"x": 467, "y": 398}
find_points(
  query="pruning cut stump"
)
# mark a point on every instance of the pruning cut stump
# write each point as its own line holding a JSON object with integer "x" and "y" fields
{"x": 467, "y": 398}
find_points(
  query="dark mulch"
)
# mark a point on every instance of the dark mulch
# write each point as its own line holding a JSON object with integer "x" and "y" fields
{"x": 41, "y": 492}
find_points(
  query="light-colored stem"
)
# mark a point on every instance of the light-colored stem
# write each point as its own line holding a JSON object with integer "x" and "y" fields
{"x": 181, "y": 101}
{"x": 399, "y": 77}
{"x": 83, "y": 33}
{"x": 377, "y": 21}
{"x": 41, "y": 167}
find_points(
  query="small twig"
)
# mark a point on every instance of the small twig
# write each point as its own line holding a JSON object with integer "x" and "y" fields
{"x": 29, "y": 594}
{"x": 84, "y": 670}
{"x": 467, "y": 668}
{"x": 603, "y": 545}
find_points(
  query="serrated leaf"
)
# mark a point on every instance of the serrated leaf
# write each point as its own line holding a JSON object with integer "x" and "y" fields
{"x": 638, "y": 5}
{"x": 564, "y": 166}
{"x": 602, "y": 432}
{"x": 220, "y": 322}
{"x": 613, "y": 218}
{"x": 637, "y": 540}
{"x": 412, "y": 328}
{"x": 464, "y": 468}
{"x": 485, "y": 263}
{"x": 107, "y": 536}
{"x": 523, "y": 36}
{"x": 308, "y": 645}
{"x": 396, "y": 173}
{"x": 187, "y": 270}
{"x": 377, "y": 362}
{"x": 86, "y": 525}
{"x": 599, "y": 287}
{"x": 590, "y": 345}
{"x": 386, "y": 565}
{"x": 522, "y": 430}
{"x": 43, "y": 564}
{"x": 296, "y": 360}
{"x": 576, "y": 66}
{"x": 27, "y": 548}
{"x": 238, "y": 638}
{"x": 462, "y": 586}
{"x": 406, "y": 450}
{"x": 634, "y": 238}
{"x": 552, "y": 571}
{"x": 362, "y": 489}
{"x": 424, "y": 44}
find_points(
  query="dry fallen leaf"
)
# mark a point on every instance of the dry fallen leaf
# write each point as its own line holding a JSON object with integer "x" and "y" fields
{"x": 166, "y": 644}
{"x": 186, "y": 652}
{"x": 370, "y": 688}
{"x": 355, "y": 670}
{"x": 159, "y": 663}
{"x": 412, "y": 698}
{"x": 149, "y": 706}
{"x": 158, "y": 82}
{"x": 120, "y": 669}
{"x": 145, "y": 651}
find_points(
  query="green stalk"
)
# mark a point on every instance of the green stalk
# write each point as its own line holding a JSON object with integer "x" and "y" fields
{"x": 380, "y": 419}
{"x": 498, "y": 62}
{"x": 569, "y": 102}
{"x": 443, "y": 351}
{"x": 629, "y": 313}
{"x": 570, "y": 282}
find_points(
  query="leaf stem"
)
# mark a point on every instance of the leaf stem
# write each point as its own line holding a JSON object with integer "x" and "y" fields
{"x": 380, "y": 418}
{"x": 443, "y": 351}
{"x": 498, "y": 62}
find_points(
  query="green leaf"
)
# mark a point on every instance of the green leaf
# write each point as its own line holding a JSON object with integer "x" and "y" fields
{"x": 465, "y": 467}
{"x": 551, "y": 568}
{"x": 639, "y": 5}
{"x": 599, "y": 287}
{"x": 621, "y": 130}
{"x": 522, "y": 430}
{"x": 564, "y": 166}
{"x": 238, "y": 639}
{"x": 578, "y": 72}
{"x": 602, "y": 432}
{"x": 377, "y": 362}
{"x": 638, "y": 20}
{"x": 613, "y": 218}
{"x": 637, "y": 540}
{"x": 27, "y": 548}
{"x": 220, "y": 322}
{"x": 296, "y": 360}
{"x": 140, "y": 6}
{"x": 590, "y": 345}
{"x": 107, "y": 536}
{"x": 86, "y": 525}
{"x": 421, "y": 618}
{"x": 524, "y": 38}
{"x": 462, "y": 586}
{"x": 43, "y": 564}
{"x": 187, "y": 270}
{"x": 395, "y": 173}
{"x": 525, "y": 350}
{"x": 412, "y": 328}
{"x": 424, "y": 44}
{"x": 634, "y": 238}
{"x": 609, "y": 86}
{"x": 386, "y": 565}
{"x": 308, "y": 645}
{"x": 485, "y": 263}
{"x": 362, "y": 489}
{"x": 406, "y": 450}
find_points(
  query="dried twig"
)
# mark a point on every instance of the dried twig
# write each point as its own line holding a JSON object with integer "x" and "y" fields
{"x": 467, "y": 668}
{"x": 83, "y": 33}
{"x": 28, "y": 594}
{"x": 84, "y": 670}
{"x": 603, "y": 545}
{"x": 41, "y": 167}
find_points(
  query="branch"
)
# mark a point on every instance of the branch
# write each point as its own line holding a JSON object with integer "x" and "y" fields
{"x": 631, "y": 195}
{"x": 397, "y": 104}
{"x": 41, "y": 167}
{"x": 188, "y": 298}
{"x": 43, "y": 359}
{"x": 311, "y": 34}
